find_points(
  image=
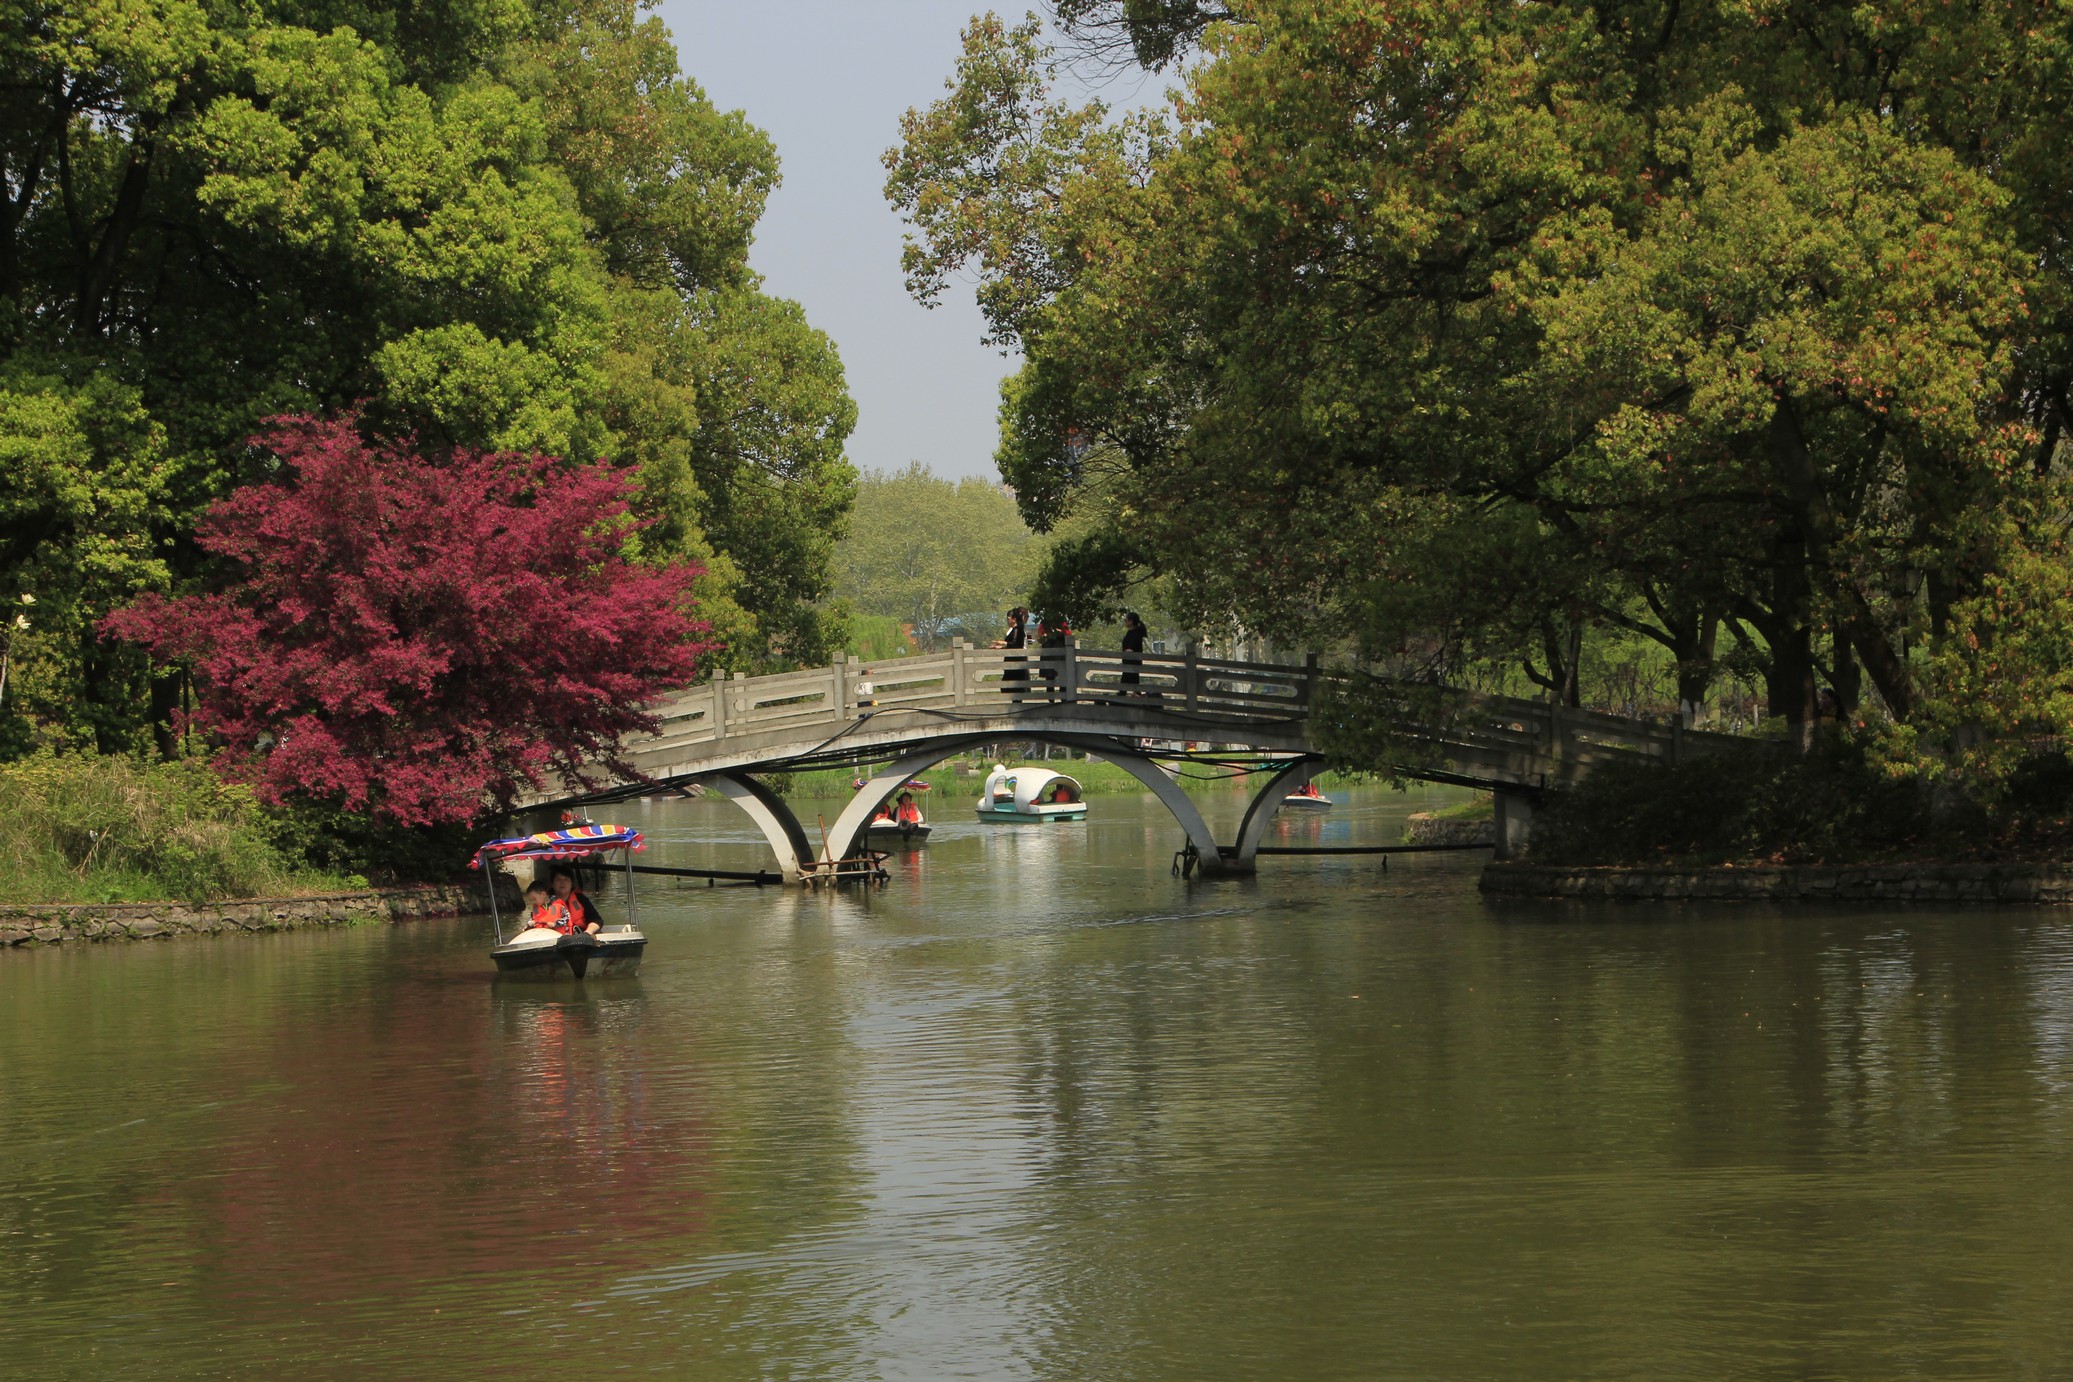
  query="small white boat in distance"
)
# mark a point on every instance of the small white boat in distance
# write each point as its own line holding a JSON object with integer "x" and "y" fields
{"x": 1306, "y": 798}
{"x": 1030, "y": 794}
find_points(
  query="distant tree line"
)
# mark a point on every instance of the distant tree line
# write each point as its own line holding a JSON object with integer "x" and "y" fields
{"x": 944, "y": 557}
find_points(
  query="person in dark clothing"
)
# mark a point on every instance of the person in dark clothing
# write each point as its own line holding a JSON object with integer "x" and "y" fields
{"x": 581, "y": 909}
{"x": 1133, "y": 642}
{"x": 1016, "y": 638}
{"x": 1052, "y": 635}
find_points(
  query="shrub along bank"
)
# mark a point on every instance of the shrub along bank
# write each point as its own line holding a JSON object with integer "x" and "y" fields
{"x": 1838, "y": 805}
{"x": 80, "y": 828}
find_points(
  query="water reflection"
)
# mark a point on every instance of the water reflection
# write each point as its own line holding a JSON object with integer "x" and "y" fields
{"x": 1035, "y": 1108}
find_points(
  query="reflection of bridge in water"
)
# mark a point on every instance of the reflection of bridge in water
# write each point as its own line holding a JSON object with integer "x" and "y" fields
{"x": 1119, "y": 707}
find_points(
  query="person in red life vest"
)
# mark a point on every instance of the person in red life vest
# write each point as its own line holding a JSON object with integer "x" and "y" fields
{"x": 549, "y": 913}
{"x": 909, "y": 813}
{"x": 582, "y": 910}
{"x": 883, "y": 815}
{"x": 1061, "y": 795}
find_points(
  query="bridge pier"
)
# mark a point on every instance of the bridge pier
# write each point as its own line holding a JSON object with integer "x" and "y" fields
{"x": 775, "y": 819}
{"x": 1260, "y": 813}
{"x": 847, "y": 833}
{"x": 1514, "y": 823}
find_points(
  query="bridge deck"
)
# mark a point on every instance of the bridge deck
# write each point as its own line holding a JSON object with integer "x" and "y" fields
{"x": 820, "y": 716}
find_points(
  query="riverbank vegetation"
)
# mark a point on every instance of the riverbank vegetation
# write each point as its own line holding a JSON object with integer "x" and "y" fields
{"x": 1737, "y": 336}
{"x": 84, "y": 828}
{"x": 1838, "y": 805}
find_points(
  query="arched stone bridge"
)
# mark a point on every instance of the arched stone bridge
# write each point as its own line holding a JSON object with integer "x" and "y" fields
{"x": 923, "y": 710}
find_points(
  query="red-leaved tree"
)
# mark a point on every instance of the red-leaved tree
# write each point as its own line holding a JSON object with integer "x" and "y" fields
{"x": 419, "y": 635}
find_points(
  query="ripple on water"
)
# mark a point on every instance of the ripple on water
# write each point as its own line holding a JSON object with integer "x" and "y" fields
{"x": 1038, "y": 1109}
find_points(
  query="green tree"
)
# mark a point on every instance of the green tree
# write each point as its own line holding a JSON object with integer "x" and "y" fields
{"x": 1455, "y": 330}
{"x": 511, "y": 225}
{"x": 944, "y": 556}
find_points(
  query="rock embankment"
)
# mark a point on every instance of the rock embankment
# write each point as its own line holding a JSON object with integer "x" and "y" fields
{"x": 53, "y": 925}
{"x": 1424, "y": 828}
{"x": 1934, "y": 883}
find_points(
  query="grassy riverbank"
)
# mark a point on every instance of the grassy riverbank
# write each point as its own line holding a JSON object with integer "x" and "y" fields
{"x": 87, "y": 829}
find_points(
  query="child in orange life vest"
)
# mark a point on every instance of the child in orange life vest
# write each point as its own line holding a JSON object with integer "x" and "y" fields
{"x": 549, "y": 911}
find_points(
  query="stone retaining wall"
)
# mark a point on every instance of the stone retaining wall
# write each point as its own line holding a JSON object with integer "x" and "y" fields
{"x": 53, "y": 925}
{"x": 1938, "y": 883}
{"x": 1424, "y": 828}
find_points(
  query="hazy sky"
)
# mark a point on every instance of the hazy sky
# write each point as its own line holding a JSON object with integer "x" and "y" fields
{"x": 828, "y": 80}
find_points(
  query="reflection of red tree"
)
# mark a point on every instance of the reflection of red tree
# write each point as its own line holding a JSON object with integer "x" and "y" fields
{"x": 423, "y": 1144}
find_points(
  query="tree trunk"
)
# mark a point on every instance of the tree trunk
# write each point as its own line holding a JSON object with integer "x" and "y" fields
{"x": 165, "y": 706}
{"x": 1695, "y": 665}
{"x": 1563, "y": 649}
{"x": 1888, "y": 669}
{"x": 1790, "y": 681}
{"x": 1849, "y": 680}
{"x": 97, "y": 278}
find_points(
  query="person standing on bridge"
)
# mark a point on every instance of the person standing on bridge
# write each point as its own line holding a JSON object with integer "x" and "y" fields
{"x": 1053, "y": 633}
{"x": 1016, "y": 639}
{"x": 1133, "y": 642}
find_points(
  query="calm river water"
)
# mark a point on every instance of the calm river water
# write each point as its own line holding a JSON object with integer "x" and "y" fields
{"x": 1039, "y": 1109}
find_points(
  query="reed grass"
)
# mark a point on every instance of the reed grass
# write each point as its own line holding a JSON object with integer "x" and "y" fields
{"x": 79, "y": 828}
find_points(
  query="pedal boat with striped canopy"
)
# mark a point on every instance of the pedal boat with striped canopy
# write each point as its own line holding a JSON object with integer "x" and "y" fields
{"x": 538, "y": 953}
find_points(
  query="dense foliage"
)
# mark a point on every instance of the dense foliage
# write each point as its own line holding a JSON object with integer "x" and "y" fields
{"x": 510, "y": 226}
{"x": 1455, "y": 331}
{"x": 1831, "y": 806}
{"x": 413, "y": 637}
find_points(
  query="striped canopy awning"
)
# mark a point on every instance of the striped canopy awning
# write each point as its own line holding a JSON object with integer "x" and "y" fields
{"x": 573, "y": 843}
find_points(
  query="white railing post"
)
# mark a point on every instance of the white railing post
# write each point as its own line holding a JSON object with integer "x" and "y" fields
{"x": 1069, "y": 674}
{"x": 1307, "y": 696}
{"x": 1191, "y": 679}
{"x": 959, "y": 695}
{"x": 838, "y": 699}
{"x": 718, "y": 689}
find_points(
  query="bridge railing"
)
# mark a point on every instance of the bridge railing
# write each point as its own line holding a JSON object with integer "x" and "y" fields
{"x": 1575, "y": 739}
{"x": 980, "y": 682}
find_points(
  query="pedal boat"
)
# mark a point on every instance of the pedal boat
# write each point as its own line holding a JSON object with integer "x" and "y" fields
{"x": 1025, "y": 794}
{"x": 538, "y": 953}
{"x": 1308, "y": 799}
{"x": 886, "y": 834}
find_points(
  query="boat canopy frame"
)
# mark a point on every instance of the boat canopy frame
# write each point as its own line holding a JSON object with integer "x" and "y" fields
{"x": 576, "y": 842}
